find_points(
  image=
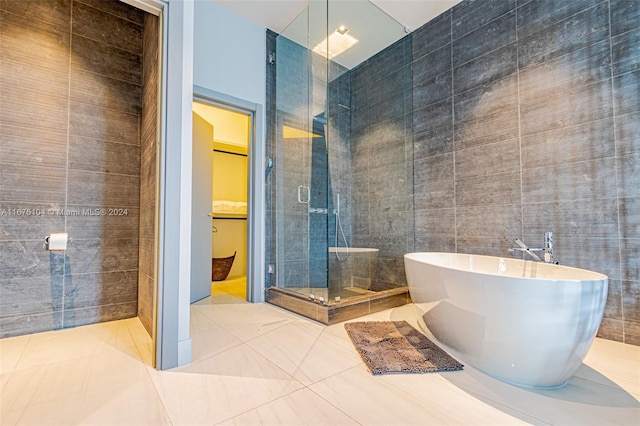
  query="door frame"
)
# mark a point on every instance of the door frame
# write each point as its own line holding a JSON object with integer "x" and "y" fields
{"x": 165, "y": 342}
{"x": 255, "y": 185}
{"x": 172, "y": 338}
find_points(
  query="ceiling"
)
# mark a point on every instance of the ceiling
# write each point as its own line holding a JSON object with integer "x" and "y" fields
{"x": 376, "y": 23}
{"x": 229, "y": 127}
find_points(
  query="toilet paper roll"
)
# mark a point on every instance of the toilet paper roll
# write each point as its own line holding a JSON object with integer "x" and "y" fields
{"x": 57, "y": 241}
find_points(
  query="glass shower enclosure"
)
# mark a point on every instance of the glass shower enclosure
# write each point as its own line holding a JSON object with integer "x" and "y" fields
{"x": 324, "y": 247}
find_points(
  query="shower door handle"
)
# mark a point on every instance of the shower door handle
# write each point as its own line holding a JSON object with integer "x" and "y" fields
{"x": 304, "y": 194}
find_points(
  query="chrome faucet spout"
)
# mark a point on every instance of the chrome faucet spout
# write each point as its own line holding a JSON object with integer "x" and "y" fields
{"x": 523, "y": 247}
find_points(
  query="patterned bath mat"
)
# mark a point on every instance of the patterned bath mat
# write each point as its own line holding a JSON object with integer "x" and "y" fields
{"x": 397, "y": 347}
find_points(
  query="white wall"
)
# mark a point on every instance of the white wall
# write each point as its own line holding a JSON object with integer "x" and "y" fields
{"x": 229, "y": 53}
{"x": 230, "y": 62}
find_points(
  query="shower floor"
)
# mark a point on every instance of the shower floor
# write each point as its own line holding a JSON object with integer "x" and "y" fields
{"x": 342, "y": 293}
{"x": 354, "y": 302}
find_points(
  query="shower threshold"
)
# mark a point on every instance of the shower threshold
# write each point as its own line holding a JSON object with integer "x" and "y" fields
{"x": 354, "y": 302}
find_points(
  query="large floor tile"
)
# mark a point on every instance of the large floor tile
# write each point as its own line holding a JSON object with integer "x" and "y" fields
{"x": 133, "y": 402}
{"x": 259, "y": 364}
{"x": 137, "y": 331}
{"x": 75, "y": 391}
{"x": 10, "y": 351}
{"x": 246, "y": 321}
{"x": 579, "y": 402}
{"x": 198, "y": 321}
{"x": 18, "y": 389}
{"x": 143, "y": 341}
{"x": 299, "y": 408}
{"x": 209, "y": 342}
{"x": 378, "y": 400}
{"x": 68, "y": 344}
{"x": 307, "y": 351}
{"x": 222, "y": 386}
{"x": 615, "y": 362}
{"x": 136, "y": 404}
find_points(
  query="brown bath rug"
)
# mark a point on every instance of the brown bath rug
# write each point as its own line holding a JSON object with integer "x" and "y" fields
{"x": 397, "y": 347}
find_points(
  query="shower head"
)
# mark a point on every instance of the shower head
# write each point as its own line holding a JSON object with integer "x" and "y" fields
{"x": 269, "y": 166}
{"x": 320, "y": 120}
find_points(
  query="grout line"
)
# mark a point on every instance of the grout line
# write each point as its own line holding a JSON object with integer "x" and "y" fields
{"x": 544, "y": 27}
{"x": 517, "y": 42}
{"x": 66, "y": 178}
{"x": 482, "y": 26}
{"x": 22, "y": 352}
{"x": 453, "y": 138}
{"x": 147, "y": 371}
{"x": 109, "y": 12}
{"x": 87, "y": 72}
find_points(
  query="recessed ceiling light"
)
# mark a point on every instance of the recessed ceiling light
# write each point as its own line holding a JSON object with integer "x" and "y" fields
{"x": 337, "y": 43}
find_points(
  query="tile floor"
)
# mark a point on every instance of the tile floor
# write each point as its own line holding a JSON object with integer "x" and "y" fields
{"x": 256, "y": 364}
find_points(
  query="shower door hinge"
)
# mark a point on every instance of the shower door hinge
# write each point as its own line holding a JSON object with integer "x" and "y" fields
{"x": 304, "y": 194}
{"x": 272, "y": 58}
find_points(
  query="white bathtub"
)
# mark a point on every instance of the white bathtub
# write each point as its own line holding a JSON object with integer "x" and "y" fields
{"x": 523, "y": 322}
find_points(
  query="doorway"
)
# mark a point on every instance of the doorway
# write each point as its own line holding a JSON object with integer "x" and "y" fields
{"x": 221, "y": 143}
{"x": 78, "y": 137}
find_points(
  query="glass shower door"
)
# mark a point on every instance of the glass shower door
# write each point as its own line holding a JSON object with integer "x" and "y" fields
{"x": 292, "y": 201}
{"x": 301, "y": 181}
{"x": 301, "y": 209}
{"x": 340, "y": 192}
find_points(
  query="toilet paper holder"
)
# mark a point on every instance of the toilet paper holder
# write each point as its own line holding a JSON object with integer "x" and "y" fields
{"x": 65, "y": 240}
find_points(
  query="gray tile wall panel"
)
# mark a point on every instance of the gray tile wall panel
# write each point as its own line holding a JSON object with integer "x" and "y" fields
{"x": 558, "y": 117}
{"x": 87, "y": 159}
{"x": 625, "y": 15}
{"x": 485, "y": 39}
{"x": 470, "y": 16}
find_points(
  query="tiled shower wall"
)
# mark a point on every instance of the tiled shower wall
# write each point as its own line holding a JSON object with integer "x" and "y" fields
{"x": 340, "y": 230}
{"x": 526, "y": 119}
{"x": 71, "y": 93}
{"x": 381, "y": 161}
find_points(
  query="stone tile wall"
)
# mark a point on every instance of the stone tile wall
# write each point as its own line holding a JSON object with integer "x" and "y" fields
{"x": 381, "y": 161}
{"x": 502, "y": 119}
{"x": 149, "y": 138}
{"x": 526, "y": 120}
{"x": 70, "y": 93}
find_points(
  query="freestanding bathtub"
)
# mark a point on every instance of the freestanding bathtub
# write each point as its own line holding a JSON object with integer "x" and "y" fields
{"x": 523, "y": 322}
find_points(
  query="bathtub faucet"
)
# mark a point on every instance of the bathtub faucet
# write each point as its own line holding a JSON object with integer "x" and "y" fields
{"x": 548, "y": 249}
